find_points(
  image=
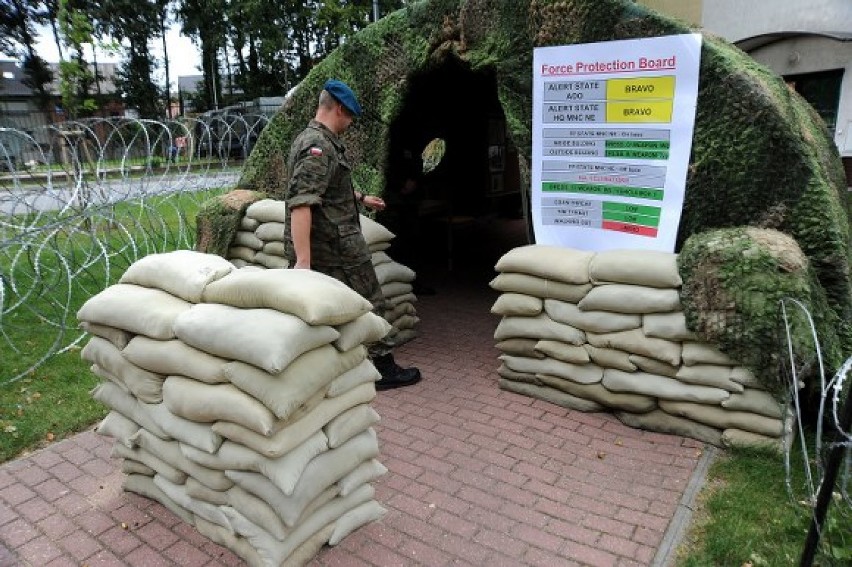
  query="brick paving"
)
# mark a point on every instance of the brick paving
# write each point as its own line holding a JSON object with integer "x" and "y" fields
{"x": 477, "y": 475}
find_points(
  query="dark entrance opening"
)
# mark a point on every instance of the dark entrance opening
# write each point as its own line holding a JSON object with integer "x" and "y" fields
{"x": 458, "y": 217}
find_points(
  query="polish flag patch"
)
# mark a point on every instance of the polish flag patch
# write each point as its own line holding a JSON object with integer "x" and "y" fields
{"x": 315, "y": 151}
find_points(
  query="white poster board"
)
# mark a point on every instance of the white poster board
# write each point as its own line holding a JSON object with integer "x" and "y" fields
{"x": 612, "y": 135}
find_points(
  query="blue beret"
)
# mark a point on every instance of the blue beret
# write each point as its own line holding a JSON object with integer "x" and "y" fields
{"x": 344, "y": 95}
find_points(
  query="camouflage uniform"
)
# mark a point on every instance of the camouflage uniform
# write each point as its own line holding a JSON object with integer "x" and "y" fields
{"x": 321, "y": 178}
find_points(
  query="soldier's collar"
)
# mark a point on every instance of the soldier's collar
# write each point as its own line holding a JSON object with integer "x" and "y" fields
{"x": 322, "y": 127}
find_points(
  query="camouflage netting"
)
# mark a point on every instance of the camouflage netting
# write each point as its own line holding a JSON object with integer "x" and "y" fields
{"x": 760, "y": 156}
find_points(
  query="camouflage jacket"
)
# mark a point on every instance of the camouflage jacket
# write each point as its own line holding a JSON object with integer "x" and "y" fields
{"x": 321, "y": 178}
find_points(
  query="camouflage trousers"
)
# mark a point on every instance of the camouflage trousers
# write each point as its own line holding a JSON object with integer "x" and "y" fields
{"x": 362, "y": 278}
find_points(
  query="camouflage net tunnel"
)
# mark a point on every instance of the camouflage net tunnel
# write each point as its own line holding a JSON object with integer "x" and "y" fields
{"x": 761, "y": 157}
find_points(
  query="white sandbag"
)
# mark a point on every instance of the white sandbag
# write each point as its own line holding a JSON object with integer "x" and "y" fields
{"x": 200, "y": 492}
{"x": 551, "y": 262}
{"x": 746, "y": 439}
{"x": 393, "y": 301}
{"x": 377, "y": 258}
{"x": 150, "y": 460}
{"x": 551, "y": 395}
{"x": 393, "y": 289}
{"x": 323, "y": 471}
{"x": 670, "y": 326}
{"x": 378, "y": 247}
{"x": 248, "y": 223}
{"x": 623, "y": 298}
{"x": 182, "y": 273}
{"x": 594, "y": 321}
{"x": 355, "y": 518}
{"x": 175, "y": 427}
{"x": 271, "y": 261}
{"x": 238, "y": 544}
{"x": 704, "y": 353}
{"x": 146, "y": 386}
{"x": 118, "y": 427}
{"x": 539, "y": 287}
{"x": 653, "y": 366}
{"x": 509, "y": 374}
{"x": 289, "y": 389}
{"x": 292, "y": 434}
{"x": 175, "y": 357}
{"x": 271, "y": 231}
{"x": 177, "y": 492}
{"x": 363, "y": 373}
{"x": 394, "y": 272}
{"x": 661, "y": 422}
{"x": 247, "y": 239}
{"x": 709, "y": 375}
{"x": 538, "y": 327}
{"x": 140, "y": 310}
{"x": 267, "y": 210}
{"x": 636, "y": 267}
{"x": 744, "y": 376}
{"x": 393, "y": 314}
{"x": 610, "y": 358}
{"x": 634, "y": 403}
{"x": 366, "y": 329}
{"x": 635, "y": 342}
{"x": 257, "y": 511}
{"x": 239, "y": 264}
{"x": 265, "y": 338}
{"x": 524, "y": 347}
{"x": 517, "y": 304}
{"x": 405, "y": 322}
{"x": 562, "y": 351}
{"x": 315, "y": 298}
{"x": 374, "y": 233}
{"x": 283, "y": 471}
{"x": 144, "y": 486}
{"x": 275, "y": 248}
{"x": 243, "y": 253}
{"x": 169, "y": 452}
{"x": 349, "y": 424}
{"x": 580, "y": 373}
{"x": 131, "y": 466}
{"x": 118, "y": 337}
{"x": 207, "y": 403}
{"x": 661, "y": 387}
{"x": 368, "y": 471}
{"x": 109, "y": 376}
{"x": 118, "y": 399}
{"x": 722, "y": 418}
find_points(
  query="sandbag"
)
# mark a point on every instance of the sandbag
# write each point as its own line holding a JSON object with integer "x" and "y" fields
{"x": 144, "y": 486}
{"x": 561, "y": 351}
{"x": 362, "y": 373}
{"x": 566, "y": 265}
{"x": 594, "y": 321}
{"x": 722, "y": 418}
{"x": 653, "y": 366}
{"x": 623, "y": 298}
{"x": 635, "y": 342}
{"x": 119, "y": 427}
{"x": 118, "y": 337}
{"x": 509, "y": 374}
{"x": 662, "y": 422}
{"x": 670, "y": 326}
{"x": 517, "y": 304}
{"x": 355, "y": 518}
{"x": 374, "y": 233}
{"x": 177, "y": 492}
{"x": 551, "y": 395}
{"x": 243, "y": 253}
{"x": 634, "y": 403}
{"x": 146, "y": 386}
{"x": 394, "y": 272}
{"x": 139, "y": 310}
{"x": 580, "y": 373}
{"x": 650, "y": 268}
{"x": 265, "y": 338}
{"x": 175, "y": 357}
{"x": 267, "y": 210}
{"x": 182, "y": 273}
{"x": 311, "y": 296}
{"x": 367, "y": 471}
{"x": 746, "y": 439}
{"x": 661, "y": 387}
{"x": 709, "y": 375}
{"x": 755, "y": 401}
{"x": 521, "y": 347}
{"x": 365, "y": 329}
{"x": 247, "y": 239}
{"x": 610, "y": 358}
{"x": 349, "y": 424}
{"x": 271, "y": 261}
{"x": 704, "y": 353}
{"x": 539, "y": 287}
{"x": 270, "y": 231}
{"x": 538, "y": 327}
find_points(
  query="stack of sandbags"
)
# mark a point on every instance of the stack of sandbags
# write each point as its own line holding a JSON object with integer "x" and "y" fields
{"x": 260, "y": 242}
{"x": 240, "y": 399}
{"x": 596, "y": 331}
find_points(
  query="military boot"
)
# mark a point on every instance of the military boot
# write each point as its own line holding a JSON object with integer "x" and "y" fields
{"x": 393, "y": 375}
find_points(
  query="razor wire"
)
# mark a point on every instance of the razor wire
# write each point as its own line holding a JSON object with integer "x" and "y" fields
{"x": 826, "y": 463}
{"x": 82, "y": 200}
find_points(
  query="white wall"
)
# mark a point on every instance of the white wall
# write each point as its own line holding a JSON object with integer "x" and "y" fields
{"x": 739, "y": 19}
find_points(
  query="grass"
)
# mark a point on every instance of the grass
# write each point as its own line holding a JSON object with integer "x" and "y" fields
{"x": 53, "y": 400}
{"x": 746, "y": 518}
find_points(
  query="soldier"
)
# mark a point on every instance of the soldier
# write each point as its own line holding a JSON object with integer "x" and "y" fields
{"x": 323, "y": 231}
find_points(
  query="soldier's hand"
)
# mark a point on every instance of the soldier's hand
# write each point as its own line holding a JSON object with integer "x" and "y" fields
{"x": 375, "y": 203}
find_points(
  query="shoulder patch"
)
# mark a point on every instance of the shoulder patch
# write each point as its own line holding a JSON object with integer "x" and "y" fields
{"x": 315, "y": 151}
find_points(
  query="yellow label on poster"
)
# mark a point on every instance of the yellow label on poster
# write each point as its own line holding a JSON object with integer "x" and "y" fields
{"x": 640, "y": 111}
{"x": 640, "y": 88}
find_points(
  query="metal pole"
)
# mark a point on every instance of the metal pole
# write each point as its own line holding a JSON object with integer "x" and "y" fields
{"x": 375, "y": 10}
{"x": 835, "y": 456}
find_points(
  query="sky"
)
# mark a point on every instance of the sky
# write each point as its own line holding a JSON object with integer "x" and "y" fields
{"x": 183, "y": 54}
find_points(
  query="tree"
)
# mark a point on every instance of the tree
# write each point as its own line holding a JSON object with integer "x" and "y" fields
{"x": 202, "y": 21}
{"x": 17, "y": 32}
{"x": 134, "y": 22}
{"x": 75, "y": 78}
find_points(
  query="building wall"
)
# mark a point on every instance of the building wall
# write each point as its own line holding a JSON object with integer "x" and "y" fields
{"x": 687, "y": 10}
{"x": 736, "y": 20}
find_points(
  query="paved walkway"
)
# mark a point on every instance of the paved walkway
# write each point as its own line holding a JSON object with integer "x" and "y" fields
{"x": 478, "y": 476}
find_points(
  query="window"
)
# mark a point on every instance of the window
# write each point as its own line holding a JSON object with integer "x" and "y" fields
{"x": 822, "y": 91}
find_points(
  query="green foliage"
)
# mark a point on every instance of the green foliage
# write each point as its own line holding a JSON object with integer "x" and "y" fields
{"x": 746, "y": 516}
